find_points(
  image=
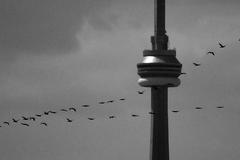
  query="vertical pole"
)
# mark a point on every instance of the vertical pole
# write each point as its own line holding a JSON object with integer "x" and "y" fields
{"x": 159, "y": 99}
{"x": 159, "y": 124}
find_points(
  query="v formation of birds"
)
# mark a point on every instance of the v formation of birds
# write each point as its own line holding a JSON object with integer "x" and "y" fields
{"x": 24, "y": 121}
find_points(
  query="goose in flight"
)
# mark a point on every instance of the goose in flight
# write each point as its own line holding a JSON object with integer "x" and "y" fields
{"x": 101, "y": 102}
{"x": 43, "y": 123}
{"x": 91, "y": 119}
{"x": 38, "y": 115}
{"x": 53, "y": 112}
{"x": 46, "y": 113}
{"x": 64, "y": 110}
{"x": 151, "y": 113}
{"x": 198, "y": 107}
{"x": 141, "y": 92}
{"x": 32, "y": 118}
{"x": 135, "y": 115}
{"x": 25, "y": 124}
{"x": 111, "y": 117}
{"x": 24, "y": 118}
{"x": 196, "y": 64}
{"x": 175, "y": 111}
{"x": 221, "y": 45}
{"x": 85, "y": 105}
{"x": 69, "y": 120}
{"x": 122, "y": 99}
{"x": 7, "y": 123}
{"x": 210, "y": 52}
{"x": 220, "y": 106}
{"x": 15, "y": 120}
{"x": 73, "y": 109}
{"x": 182, "y": 73}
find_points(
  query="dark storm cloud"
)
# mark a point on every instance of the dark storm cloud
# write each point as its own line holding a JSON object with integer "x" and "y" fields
{"x": 46, "y": 26}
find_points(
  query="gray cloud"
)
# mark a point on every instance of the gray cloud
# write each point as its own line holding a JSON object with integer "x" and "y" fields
{"x": 45, "y": 26}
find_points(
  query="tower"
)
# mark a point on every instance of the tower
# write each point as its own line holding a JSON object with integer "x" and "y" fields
{"x": 159, "y": 70}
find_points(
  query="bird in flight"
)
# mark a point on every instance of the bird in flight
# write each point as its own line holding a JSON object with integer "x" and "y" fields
{"x": 85, "y": 105}
{"x": 210, "y": 52}
{"x": 182, "y": 73}
{"x": 111, "y": 101}
{"x": 32, "y": 118}
{"x": 122, "y": 99}
{"x": 7, "y": 123}
{"x": 141, "y": 92}
{"x": 111, "y": 117}
{"x": 15, "y": 120}
{"x": 101, "y": 102}
{"x": 91, "y": 119}
{"x": 24, "y": 118}
{"x": 221, "y": 45}
{"x": 43, "y": 123}
{"x": 69, "y": 120}
{"x": 46, "y": 113}
{"x": 220, "y": 106}
{"x": 198, "y": 108}
{"x": 38, "y": 115}
{"x": 53, "y": 112}
{"x": 196, "y": 64}
{"x": 151, "y": 112}
{"x": 135, "y": 115}
{"x": 25, "y": 124}
{"x": 64, "y": 110}
{"x": 175, "y": 111}
{"x": 73, "y": 109}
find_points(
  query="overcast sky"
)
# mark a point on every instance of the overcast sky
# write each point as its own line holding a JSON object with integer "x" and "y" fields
{"x": 56, "y": 53}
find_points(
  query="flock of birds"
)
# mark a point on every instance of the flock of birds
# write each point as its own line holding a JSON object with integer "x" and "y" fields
{"x": 210, "y": 52}
{"x": 25, "y": 120}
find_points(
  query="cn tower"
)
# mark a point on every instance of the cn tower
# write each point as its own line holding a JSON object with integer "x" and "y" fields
{"x": 159, "y": 70}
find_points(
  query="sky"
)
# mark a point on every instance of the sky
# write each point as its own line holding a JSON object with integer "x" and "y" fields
{"x": 57, "y": 54}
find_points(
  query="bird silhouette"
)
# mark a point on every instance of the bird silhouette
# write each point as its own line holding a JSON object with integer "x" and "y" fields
{"x": 175, "y": 111}
{"x": 198, "y": 107}
{"x": 111, "y": 101}
{"x": 69, "y": 120}
{"x": 183, "y": 73}
{"x": 7, "y": 123}
{"x": 151, "y": 113}
{"x": 32, "y": 118}
{"x": 24, "y": 118}
{"x": 46, "y": 113}
{"x": 196, "y": 64}
{"x": 25, "y": 124}
{"x": 73, "y": 109}
{"x": 220, "y": 106}
{"x": 85, "y": 105}
{"x": 141, "y": 92}
{"x": 53, "y": 112}
{"x": 111, "y": 117}
{"x": 122, "y": 99}
{"x": 210, "y": 52}
{"x": 64, "y": 110}
{"x": 91, "y": 119}
{"x": 135, "y": 115}
{"x": 101, "y": 102}
{"x": 43, "y": 123}
{"x": 38, "y": 115}
{"x": 221, "y": 45}
{"x": 15, "y": 120}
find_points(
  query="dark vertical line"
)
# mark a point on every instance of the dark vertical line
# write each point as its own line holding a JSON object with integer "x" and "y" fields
{"x": 159, "y": 124}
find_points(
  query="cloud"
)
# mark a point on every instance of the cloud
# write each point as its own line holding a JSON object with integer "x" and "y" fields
{"x": 49, "y": 27}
